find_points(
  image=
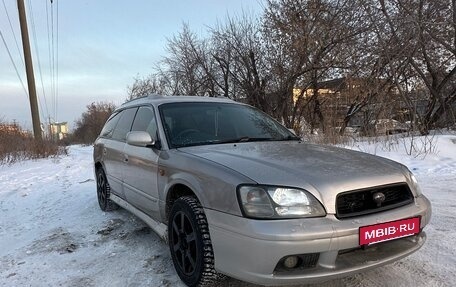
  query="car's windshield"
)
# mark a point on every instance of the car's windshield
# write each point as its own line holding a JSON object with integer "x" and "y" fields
{"x": 189, "y": 124}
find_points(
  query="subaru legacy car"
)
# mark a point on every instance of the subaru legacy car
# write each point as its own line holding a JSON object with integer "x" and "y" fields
{"x": 235, "y": 193}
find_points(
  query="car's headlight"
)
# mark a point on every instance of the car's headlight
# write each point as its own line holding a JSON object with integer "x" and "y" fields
{"x": 259, "y": 201}
{"x": 415, "y": 186}
{"x": 413, "y": 182}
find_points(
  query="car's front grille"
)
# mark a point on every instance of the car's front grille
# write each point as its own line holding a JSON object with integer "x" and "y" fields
{"x": 372, "y": 200}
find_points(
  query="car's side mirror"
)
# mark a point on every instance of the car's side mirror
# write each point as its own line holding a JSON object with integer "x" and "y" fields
{"x": 140, "y": 138}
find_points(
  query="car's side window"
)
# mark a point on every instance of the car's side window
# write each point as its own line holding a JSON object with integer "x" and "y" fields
{"x": 145, "y": 121}
{"x": 124, "y": 124}
{"x": 110, "y": 124}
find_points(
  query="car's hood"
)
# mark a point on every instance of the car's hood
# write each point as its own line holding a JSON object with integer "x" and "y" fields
{"x": 322, "y": 170}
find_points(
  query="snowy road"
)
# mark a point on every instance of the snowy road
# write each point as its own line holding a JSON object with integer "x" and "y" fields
{"x": 52, "y": 232}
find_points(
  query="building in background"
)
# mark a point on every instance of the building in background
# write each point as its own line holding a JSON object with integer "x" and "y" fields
{"x": 58, "y": 130}
{"x": 374, "y": 99}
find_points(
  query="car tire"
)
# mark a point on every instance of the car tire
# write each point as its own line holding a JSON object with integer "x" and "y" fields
{"x": 190, "y": 243}
{"x": 104, "y": 192}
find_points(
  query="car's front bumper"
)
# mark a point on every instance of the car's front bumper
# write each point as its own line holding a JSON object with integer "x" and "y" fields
{"x": 250, "y": 250}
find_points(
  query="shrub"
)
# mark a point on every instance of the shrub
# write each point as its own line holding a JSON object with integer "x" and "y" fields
{"x": 17, "y": 144}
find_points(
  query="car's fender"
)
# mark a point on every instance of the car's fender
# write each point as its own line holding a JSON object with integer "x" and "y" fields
{"x": 213, "y": 184}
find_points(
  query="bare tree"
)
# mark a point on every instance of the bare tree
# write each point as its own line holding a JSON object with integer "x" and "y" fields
{"x": 428, "y": 28}
{"x": 240, "y": 55}
{"x": 388, "y": 51}
{"x": 187, "y": 69}
{"x": 309, "y": 43}
{"x": 152, "y": 84}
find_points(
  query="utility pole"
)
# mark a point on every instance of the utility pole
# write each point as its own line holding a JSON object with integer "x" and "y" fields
{"x": 29, "y": 70}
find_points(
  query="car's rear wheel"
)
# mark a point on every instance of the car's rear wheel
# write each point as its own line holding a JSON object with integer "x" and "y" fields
{"x": 190, "y": 243}
{"x": 104, "y": 192}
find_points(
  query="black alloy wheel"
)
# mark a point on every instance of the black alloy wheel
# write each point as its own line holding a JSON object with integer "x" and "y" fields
{"x": 190, "y": 244}
{"x": 184, "y": 243}
{"x": 104, "y": 191}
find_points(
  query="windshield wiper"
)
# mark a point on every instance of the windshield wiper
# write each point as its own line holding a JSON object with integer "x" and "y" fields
{"x": 239, "y": 140}
{"x": 244, "y": 139}
{"x": 258, "y": 139}
{"x": 290, "y": 138}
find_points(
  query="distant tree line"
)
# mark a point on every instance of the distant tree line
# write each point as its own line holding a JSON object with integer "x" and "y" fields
{"x": 407, "y": 47}
{"x": 89, "y": 125}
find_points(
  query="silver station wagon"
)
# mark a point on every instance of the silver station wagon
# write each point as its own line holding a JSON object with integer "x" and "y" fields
{"x": 235, "y": 193}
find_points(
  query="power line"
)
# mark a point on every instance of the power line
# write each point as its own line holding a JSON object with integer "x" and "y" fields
{"x": 14, "y": 64}
{"x": 32, "y": 21}
{"x": 52, "y": 25}
{"x": 14, "y": 34}
{"x": 53, "y": 62}
{"x": 57, "y": 64}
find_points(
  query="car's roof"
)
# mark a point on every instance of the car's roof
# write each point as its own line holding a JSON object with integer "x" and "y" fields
{"x": 160, "y": 99}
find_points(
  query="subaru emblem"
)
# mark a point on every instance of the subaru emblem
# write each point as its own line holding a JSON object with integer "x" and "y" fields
{"x": 379, "y": 198}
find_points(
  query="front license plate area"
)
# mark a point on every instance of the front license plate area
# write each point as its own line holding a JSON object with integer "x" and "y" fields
{"x": 381, "y": 232}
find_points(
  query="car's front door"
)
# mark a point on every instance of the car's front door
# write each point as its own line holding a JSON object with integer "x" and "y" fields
{"x": 115, "y": 134}
{"x": 141, "y": 168}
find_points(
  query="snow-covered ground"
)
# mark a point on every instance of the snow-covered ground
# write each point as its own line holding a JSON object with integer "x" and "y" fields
{"x": 52, "y": 232}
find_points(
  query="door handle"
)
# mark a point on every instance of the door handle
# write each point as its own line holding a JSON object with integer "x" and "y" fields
{"x": 125, "y": 158}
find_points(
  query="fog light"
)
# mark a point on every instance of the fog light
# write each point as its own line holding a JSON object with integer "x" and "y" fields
{"x": 291, "y": 262}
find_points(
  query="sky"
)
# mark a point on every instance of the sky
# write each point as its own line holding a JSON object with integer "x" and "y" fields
{"x": 100, "y": 47}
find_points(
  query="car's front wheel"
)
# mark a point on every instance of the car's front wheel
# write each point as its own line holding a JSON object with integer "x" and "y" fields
{"x": 190, "y": 243}
{"x": 104, "y": 192}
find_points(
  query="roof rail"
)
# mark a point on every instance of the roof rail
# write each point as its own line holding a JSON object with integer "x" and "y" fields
{"x": 143, "y": 97}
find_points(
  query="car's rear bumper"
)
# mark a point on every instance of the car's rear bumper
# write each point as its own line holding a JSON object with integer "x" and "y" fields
{"x": 251, "y": 249}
